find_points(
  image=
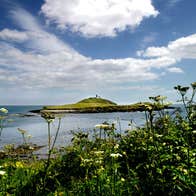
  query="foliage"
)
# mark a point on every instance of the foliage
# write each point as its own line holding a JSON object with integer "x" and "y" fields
{"x": 157, "y": 159}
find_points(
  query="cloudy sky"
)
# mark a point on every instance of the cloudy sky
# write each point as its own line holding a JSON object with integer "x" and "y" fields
{"x": 56, "y": 52}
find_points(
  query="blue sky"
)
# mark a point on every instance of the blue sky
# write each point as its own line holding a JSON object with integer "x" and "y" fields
{"x": 56, "y": 52}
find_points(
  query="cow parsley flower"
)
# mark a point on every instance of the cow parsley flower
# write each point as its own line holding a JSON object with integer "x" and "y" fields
{"x": 115, "y": 155}
{"x": 2, "y": 172}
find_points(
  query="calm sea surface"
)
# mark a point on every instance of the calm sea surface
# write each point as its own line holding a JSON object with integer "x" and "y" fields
{"x": 37, "y": 127}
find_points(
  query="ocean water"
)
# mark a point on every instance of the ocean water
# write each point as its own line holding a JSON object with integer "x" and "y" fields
{"x": 36, "y": 126}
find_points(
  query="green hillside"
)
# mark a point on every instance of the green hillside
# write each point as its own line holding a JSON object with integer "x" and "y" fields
{"x": 85, "y": 103}
{"x": 96, "y": 105}
{"x": 96, "y": 100}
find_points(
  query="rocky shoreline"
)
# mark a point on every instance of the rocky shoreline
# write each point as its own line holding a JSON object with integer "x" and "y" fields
{"x": 108, "y": 109}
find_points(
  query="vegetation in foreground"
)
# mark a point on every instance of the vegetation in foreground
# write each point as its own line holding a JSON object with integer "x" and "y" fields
{"x": 158, "y": 159}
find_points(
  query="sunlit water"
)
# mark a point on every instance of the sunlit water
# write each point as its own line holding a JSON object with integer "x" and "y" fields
{"x": 37, "y": 127}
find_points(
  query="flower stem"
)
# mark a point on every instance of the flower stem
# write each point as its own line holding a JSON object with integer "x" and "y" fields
{"x": 49, "y": 139}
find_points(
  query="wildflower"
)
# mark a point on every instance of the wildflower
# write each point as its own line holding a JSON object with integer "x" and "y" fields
{"x": 49, "y": 120}
{"x": 158, "y": 135}
{"x": 100, "y": 170}
{"x": 9, "y": 147}
{"x": 29, "y": 136}
{"x": 185, "y": 171}
{"x": 124, "y": 153}
{"x": 178, "y": 158}
{"x": 182, "y": 90}
{"x": 19, "y": 164}
{"x": 194, "y": 131}
{"x": 87, "y": 160}
{"x": 122, "y": 179}
{"x": 115, "y": 155}
{"x": 193, "y": 85}
{"x": 116, "y": 146}
{"x": 22, "y": 131}
{"x": 98, "y": 152}
{"x": 57, "y": 193}
{"x": 49, "y": 117}
{"x": 31, "y": 148}
{"x": 5, "y": 165}
{"x": 102, "y": 126}
{"x": 3, "y": 110}
{"x": 158, "y": 98}
{"x": 2, "y": 172}
{"x": 98, "y": 162}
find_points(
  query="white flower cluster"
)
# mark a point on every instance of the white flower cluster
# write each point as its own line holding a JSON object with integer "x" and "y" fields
{"x": 115, "y": 155}
{"x": 2, "y": 172}
{"x": 102, "y": 126}
{"x": 4, "y": 110}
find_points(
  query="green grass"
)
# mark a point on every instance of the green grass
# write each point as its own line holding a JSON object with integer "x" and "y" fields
{"x": 85, "y": 103}
{"x": 94, "y": 104}
{"x": 96, "y": 100}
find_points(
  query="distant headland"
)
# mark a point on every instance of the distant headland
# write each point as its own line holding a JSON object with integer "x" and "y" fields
{"x": 95, "y": 105}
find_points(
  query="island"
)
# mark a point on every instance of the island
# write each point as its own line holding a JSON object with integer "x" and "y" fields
{"x": 97, "y": 105}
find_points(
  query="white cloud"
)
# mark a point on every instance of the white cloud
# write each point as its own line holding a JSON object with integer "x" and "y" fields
{"x": 149, "y": 39}
{"x": 136, "y": 88}
{"x": 154, "y": 52}
{"x": 56, "y": 70}
{"x": 94, "y": 18}
{"x": 13, "y": 35}
{"x": 72, "y": 70}
{"x": 39, "y": 39}
{"x": 175, "y": 70}
{"x": 182, "y": 48}
{"x": 53, "y": 63}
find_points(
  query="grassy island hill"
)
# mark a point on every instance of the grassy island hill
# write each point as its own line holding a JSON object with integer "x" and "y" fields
{"x": 95, "y": 101}
{"x": 85, "y": 104}
{"x": 95, "y": 105}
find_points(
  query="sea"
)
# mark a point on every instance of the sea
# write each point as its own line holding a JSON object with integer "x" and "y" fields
{"x": 36, "y": 126}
